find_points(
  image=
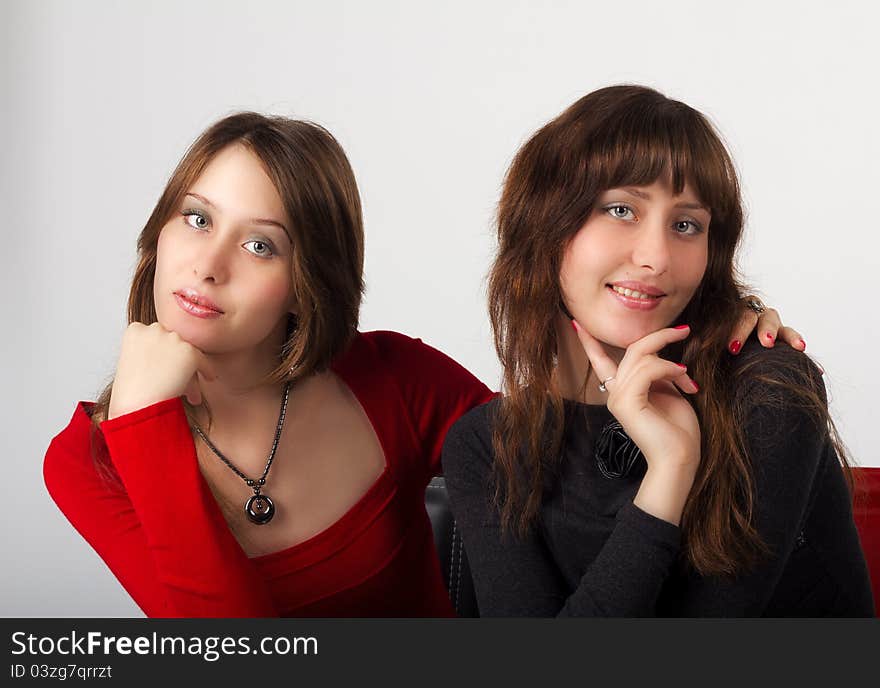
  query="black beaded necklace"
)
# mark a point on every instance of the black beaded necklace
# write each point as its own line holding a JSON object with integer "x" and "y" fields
{"x": 259, "y": 507}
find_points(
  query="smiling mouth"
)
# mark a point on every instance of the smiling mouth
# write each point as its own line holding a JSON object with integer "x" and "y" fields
{"x": 633, "y": 294}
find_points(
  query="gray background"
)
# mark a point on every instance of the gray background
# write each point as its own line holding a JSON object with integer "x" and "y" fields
{"x": 430, "y": 100}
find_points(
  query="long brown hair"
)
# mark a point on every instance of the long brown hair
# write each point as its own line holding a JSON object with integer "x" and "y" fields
{"x": 317, "y": 186}
{"x": 613, "y": 137}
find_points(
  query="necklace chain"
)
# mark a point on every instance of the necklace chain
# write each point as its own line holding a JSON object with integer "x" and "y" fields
{"x": 257, "y": 484}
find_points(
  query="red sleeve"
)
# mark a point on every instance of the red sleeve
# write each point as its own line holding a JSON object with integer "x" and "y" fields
{"x": 164, "y": 537}
{"x": 436, "y": 391}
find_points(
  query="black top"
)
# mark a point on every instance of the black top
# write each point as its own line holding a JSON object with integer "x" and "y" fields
{"x": 592, "y": 552}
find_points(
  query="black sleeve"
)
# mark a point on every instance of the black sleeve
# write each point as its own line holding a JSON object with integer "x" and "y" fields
{"x": 516, "y": 576}
{"x": 791, "y": 458}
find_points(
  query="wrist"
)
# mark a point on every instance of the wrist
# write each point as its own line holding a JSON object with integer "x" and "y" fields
{"x": 673, "y": 469}
{"x": 664, "y": 491}
{"x": 125, "y": 406}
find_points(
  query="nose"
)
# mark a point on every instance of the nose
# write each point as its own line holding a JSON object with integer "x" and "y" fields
{"x": 651, "y": 247}
{"x": 211, "y": 262}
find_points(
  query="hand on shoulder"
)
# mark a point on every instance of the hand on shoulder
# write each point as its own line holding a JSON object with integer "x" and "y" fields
{"x": 764, "y": 375}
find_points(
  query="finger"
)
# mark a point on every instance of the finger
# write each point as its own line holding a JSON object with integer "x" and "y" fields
{"x": 652, "y": 343}
{"x": 768, "y": 327}
{"x": 630, "y": 395}
{"x": 792, "y": 337}
{"x": 655, "y": 369}
{"x": 603, "y": 365}
{"x": 747, "y": 321}
{"x": 686, "y": 384}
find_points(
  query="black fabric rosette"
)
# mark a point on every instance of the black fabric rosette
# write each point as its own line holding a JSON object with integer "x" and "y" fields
{"x": 616, "y": 453}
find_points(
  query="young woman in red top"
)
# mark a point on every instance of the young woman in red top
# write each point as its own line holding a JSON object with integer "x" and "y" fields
{"x": 256, "y": 455}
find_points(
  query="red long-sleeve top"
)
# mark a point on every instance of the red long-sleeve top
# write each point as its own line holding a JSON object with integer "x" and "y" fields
{"x": 165, "y": 539}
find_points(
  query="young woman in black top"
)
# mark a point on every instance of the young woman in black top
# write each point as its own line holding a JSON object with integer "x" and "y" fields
{"x": 630, "y": 467}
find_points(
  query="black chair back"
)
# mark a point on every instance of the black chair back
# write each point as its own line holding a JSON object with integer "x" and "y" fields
{"x": 453, "y": 560}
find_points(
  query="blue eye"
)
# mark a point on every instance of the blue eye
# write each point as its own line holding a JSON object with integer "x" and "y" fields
{"x": 687, "y": 227}
{"x": 195, "y": 219}
{"x": 620, "y": 211}
{"x": 263, "y": 249}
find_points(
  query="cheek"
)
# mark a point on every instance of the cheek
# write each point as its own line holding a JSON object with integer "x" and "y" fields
{"x": 272, "y": 293}
{"x": 698, "y": 263}
{"x": 690, "y": 270}
{"x": 163, "y": 253}
{"x": 587, "y": 260}
{"x": 169, "y": 251}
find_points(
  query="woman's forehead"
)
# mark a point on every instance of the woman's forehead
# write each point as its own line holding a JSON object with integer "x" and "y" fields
{"x": 235, "y": 181}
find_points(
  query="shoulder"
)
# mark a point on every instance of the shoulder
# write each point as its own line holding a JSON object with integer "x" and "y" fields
{"x": 78, "y": 431}
{"x": 70, "y": 451}
{"x": 383, "y": 346}
{"x": 477, "y": 421}
{"x": 470, "y": 438}
{"x": 415, "y": 365}
{"x": 779, "y": 398}
{"x": 391, "y": 345}
{"x": 775, "y": 376}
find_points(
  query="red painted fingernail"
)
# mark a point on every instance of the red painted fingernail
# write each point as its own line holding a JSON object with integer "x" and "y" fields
{"x": 574, "y": 325}
{"x": 682, "y": 366}
{"x": 696, "y": 386}
{"x": 769, "y": 336}
{"x": 735, "y": 346}
{"x": 803, "y": 345}
{"x": 681, "y": 327}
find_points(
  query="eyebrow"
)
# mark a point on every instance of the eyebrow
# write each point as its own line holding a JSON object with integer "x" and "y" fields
{"x": 646, "y": 196}
{"x": 253, "y": 221}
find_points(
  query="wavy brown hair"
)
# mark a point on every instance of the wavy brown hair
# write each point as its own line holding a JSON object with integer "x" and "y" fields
{"x": 630, "y": 136}
{"x": 317, "y": 187}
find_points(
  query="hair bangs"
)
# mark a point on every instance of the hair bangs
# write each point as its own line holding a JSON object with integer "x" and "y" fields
{"x": 673, "y": 144}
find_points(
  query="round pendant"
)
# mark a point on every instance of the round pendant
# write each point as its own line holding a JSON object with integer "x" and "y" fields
{"x": 260, "y": 509}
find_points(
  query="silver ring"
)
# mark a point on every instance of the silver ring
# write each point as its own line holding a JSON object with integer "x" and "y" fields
{"x": 602, "y": 387}
{"x": 755, "y": 304}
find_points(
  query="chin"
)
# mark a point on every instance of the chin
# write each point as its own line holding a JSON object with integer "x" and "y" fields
{"x": 197, "y": 334}
{"x": 622, "y": 336}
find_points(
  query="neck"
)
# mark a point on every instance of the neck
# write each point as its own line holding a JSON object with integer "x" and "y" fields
{"x": 239, "y": 393}
{"x": 574, "y": 375}
{"x": 234, "y": 405}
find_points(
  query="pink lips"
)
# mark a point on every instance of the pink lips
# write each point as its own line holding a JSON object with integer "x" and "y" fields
{"x": 639, "y": 286}
{"x": 637, "y": 304}
{"x": 196, "y": 304}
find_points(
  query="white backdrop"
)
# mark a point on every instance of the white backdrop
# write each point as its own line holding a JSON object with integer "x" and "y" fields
{"x": 430, "y": 100}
